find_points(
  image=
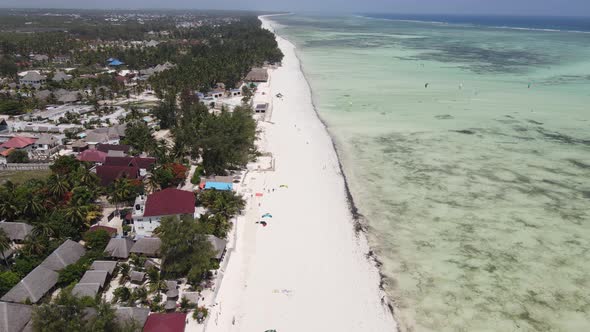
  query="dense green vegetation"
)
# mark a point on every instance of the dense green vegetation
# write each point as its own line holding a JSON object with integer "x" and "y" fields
{"x": 59, "y": 208}
{"x": 185, "y": 250}
{"x": 70, "y": 313}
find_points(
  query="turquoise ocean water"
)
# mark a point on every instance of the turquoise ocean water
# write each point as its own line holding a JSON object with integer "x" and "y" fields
{"x": 467, "y": 150}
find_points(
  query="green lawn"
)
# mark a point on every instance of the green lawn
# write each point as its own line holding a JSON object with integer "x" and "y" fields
{"x": 22, "y": 176}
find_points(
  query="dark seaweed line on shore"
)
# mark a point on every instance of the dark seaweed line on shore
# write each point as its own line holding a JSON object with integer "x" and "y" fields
{"x": 360, "y": 222}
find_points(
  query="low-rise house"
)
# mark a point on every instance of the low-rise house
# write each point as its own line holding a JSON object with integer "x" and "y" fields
{"x": 14, "y": 317}
{"x": 44, "y": 277}
{"x": 119, "y": 248}
{"x": 127, "y": 315}
{"x": 147, "y": 246}
{"x": 113, "y": 147}
{"x": 257, "y": 75}
{"x": 67, "y": 253}
{"x": 33, "y": 79}
{"x": 137, "y": 277}
{"x": 3, "y": 124}
{"x": 16, "y": 231}
{"x": 91, "y": 283}
{"x": 32, "y": 287}
{"x": 108, "y": 174}
{"x": 19, "y": 143}
{"x": 261, "y": 108}
{"x": 235, "y": 92}
{"x": 79, "y": 146}
{"x": 218, "y": 245}
{"x": 40, "y": 57}
{"x": 92, "y": 156}
{"x": 144, "y": 164}
{"x": 108, "y": 266}
{"x": 47, "y": 145}
{"x": 168, "y": 322}
{"x": 171, "y": 289}
{"x": 147, "y": 213}
{"x": 111, "y": 230}
{"x": 69, "y": 97}
{"x": 60, "y": 76}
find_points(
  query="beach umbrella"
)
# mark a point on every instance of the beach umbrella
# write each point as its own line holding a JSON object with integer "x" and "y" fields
{"x": 267, "y": 215}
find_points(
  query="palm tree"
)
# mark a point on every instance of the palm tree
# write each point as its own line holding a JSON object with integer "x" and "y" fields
{"x": 34, "y": 245}
{"x": 57, "y": 185}
{"x": 76, "y": 214}
{"x": 152, "y": 183}
{"x": 5, "y": 244}
{"x": 43, "y": 229}
{"x": 120, "y": 192}
{"x": 8, "y": 208}
{"x": 33, "y": 206}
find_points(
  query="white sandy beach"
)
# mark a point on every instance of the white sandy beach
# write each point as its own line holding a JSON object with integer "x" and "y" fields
{"x": 307, "y": 270}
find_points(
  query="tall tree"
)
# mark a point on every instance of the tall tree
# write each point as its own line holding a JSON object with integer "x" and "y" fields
{"x": 185, "y": 251}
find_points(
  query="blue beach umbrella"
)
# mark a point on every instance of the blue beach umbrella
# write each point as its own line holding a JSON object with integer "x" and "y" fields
{"x": 267, "y": 215}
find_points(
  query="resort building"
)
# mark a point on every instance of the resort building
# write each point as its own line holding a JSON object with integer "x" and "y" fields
{"x": 44, "y": 277}
{"x": 149, "y": 211}
{"x": 15, "y": 317}
{"x": 60, "y": 76}
{"x": 33, "y": 79}
{"x": 108, "y": 174}
{"x": 46, "y": 145}
{"x": 169, "y": 322}
{"x": 261, "y": 108}
{"x": 257, "y": 75}
{"x": 119, "y": 248}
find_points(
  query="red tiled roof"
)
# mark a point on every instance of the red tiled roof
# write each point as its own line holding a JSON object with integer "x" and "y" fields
{"x": 112, "y": 231}
{"x": 170, "y": 202}
{"x": 171, "y": 322}
{"x": 6, "y": 152}
{"x": 93, "y": 156}
{"x": 18, "y": 142}
{"x": 143, "y": 163}
{"x": 108, "y": 174}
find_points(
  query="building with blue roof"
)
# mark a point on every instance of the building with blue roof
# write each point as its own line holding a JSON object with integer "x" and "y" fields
{"x": 219, "y": 186}
{"x": 115, "y": 62}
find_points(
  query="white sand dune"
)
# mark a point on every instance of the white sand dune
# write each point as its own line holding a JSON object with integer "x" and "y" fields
{"x": 307, "y": 270}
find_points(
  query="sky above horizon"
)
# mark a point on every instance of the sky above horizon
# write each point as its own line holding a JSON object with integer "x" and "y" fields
{"x": 491, "y": 7}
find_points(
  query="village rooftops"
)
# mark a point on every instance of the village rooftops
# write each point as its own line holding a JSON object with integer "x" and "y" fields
{"x": 170, "y": 202}
{"x": 14, "y": 317}
{"x": 92, "y": 156}
{"x": 16, "y": 231}
{"x": 46, "y": 139}
{"x": 108, "y": 174}
{"x": 33, "y": 286}
{"x": 129, "y": 314}
{"x": 172, "y": 291}
{"x": 257, "y": 75}
{"x": 169, "y": 322}
{"x": 113, "y": 147}
{"x": 148, "y": 246}
{"x": 119, "y": 247}
{"x": 84, "y": 289}
{"x": 142, "y": 163}
{"x": 218, "y": 245}
{"x": 67, "y": 253}
{"x": 18, "y": 142}
{"x": 111, "y": 230}
{"x": 108, "y": 266}
{"x": 137, "y": 276}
